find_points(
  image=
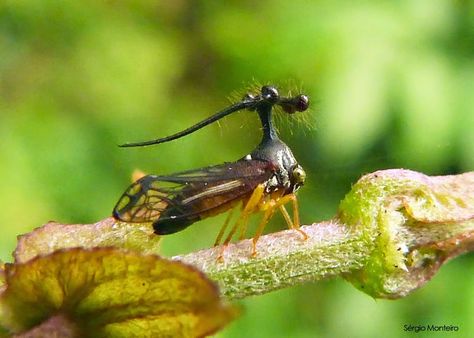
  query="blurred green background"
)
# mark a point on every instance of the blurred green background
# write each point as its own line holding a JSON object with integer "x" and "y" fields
{"x": 391, "y": 84}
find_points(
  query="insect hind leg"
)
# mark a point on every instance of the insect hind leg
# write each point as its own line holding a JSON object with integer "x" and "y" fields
{"x": 224, "y": 226}
{"x": 266, "y": 217}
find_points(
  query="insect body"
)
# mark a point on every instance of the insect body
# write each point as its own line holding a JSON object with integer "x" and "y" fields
{"x": 264, "y": 180}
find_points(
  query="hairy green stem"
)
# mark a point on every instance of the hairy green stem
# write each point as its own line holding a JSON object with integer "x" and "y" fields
{"x": 283, "y": 259}
{"x": 393, "y": 231}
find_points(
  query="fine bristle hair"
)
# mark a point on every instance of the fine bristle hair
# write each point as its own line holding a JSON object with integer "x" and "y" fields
{"x": 252, "y": 87}
{"x": 236, "y": 96}
{"x": 299, "y": 120}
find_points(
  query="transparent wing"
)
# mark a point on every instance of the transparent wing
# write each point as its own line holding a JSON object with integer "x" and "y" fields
{"x": 190, "y": 193}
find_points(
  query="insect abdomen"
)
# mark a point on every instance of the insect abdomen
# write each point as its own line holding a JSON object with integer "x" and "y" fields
{"x": 170, "y": 226}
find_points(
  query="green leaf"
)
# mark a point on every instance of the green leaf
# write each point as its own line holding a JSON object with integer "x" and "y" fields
{"x": 108, "y": 292}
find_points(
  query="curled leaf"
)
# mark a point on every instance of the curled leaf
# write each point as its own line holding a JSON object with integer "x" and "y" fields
{"x": 414, "y": 223}
{"x": 108, "y": 292}
{"x": 106, "y": 233}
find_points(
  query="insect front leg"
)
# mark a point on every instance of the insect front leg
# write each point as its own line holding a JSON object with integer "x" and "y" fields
{"x": 269, "y": 207}
{"x": 296, "y": 216}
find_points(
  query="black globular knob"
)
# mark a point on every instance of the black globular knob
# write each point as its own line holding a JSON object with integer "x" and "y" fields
{"x": 270, "y": 94}
{"x": 302, "y": 103}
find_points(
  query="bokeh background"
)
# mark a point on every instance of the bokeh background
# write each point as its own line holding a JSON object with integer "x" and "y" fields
{"x": 391, "y": 84}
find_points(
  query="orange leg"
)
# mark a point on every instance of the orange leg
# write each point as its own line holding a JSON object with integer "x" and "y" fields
{"x": 266, "y": 217}
{"x": 252, "y": 204}
{"x": 286, "y": 216}
{"x": 226, "y": 223}
{"x": 249, "y": 208}
{"x": 295, "y": 224}
{"x": 296, "y": 215}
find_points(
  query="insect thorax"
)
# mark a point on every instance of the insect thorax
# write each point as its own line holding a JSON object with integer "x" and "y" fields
{"x": 288, "y": 174}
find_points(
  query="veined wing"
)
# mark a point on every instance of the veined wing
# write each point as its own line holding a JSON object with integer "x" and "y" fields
{"x": 190, "y": 193}
{"x": 239, "y": 169}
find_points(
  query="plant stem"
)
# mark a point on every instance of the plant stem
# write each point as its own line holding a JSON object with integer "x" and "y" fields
{"x": 283, "y": 259}
{"x": 394, "y": 229}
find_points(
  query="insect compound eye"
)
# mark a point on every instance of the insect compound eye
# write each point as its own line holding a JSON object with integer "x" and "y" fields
{"x": 302, "y": 103}
{"x": 298, "y": 175}
{"x": 270, "y": 94}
